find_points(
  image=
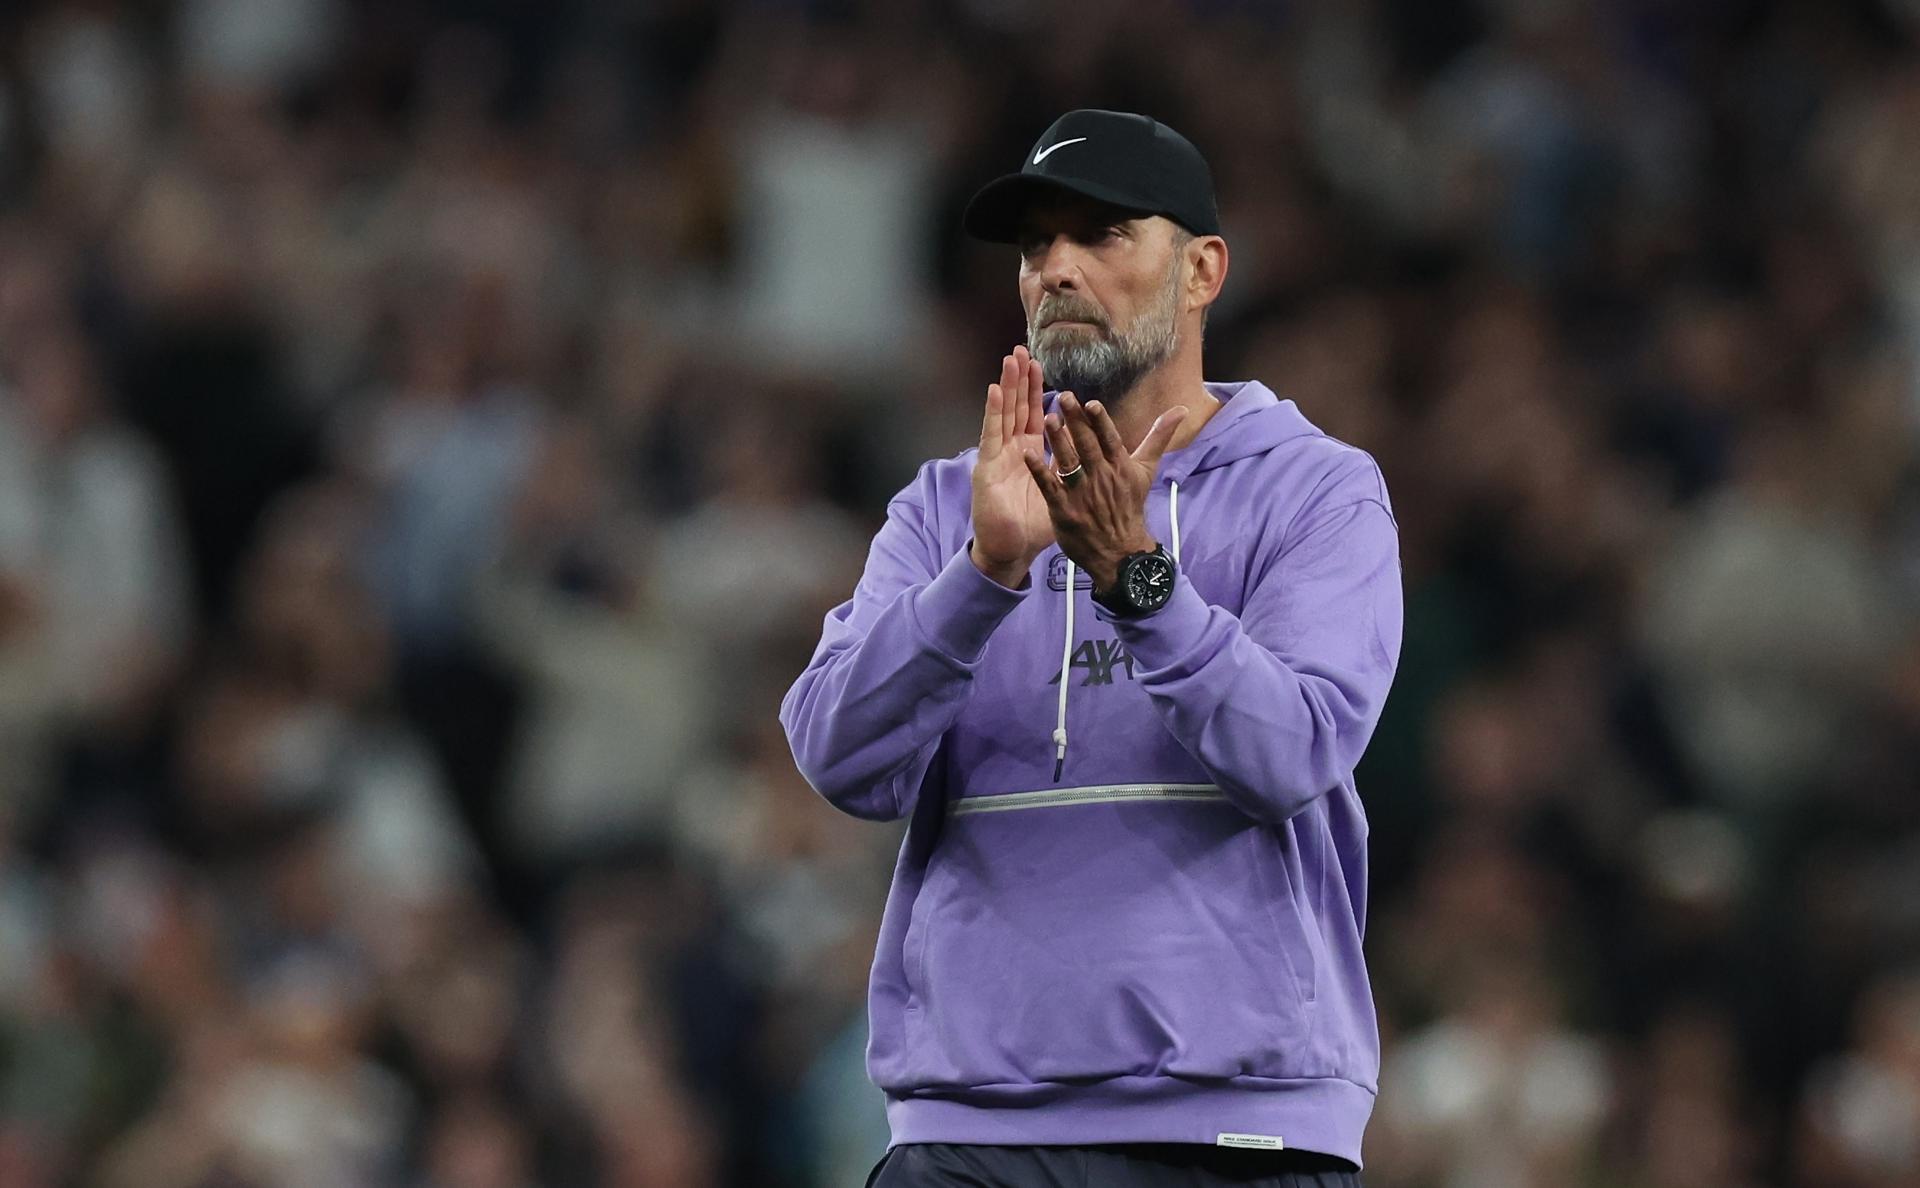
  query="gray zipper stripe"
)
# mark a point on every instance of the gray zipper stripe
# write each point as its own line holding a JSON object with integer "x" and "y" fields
{"x": 1097, "y": 794}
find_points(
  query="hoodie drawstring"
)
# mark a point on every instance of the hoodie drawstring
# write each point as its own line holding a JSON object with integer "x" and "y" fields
{"x": 1066, "y": 648}
{"x": 1173, "y": 516}
{"x": 1066, "y": 670}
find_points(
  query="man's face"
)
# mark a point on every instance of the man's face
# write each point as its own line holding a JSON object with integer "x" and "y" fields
{"x": 1101, "y": 288}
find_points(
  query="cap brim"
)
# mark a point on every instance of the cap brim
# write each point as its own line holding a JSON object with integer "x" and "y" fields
{"x": 994, "y": 213}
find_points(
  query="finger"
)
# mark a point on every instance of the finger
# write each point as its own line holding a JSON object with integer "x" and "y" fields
{"x": 1065, "y": 456}
{"x": 1112, "y": 447}
{"x": 1009, "y": 392}
{"x": 1086, "y": 445}
{"x": 1051, "y": 488}
{"x": 990, "y": 423}
{"x": 1036, "y": 396}
{"x": 1154, "y": 444}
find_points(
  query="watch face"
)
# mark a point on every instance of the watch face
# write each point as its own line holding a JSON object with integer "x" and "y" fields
{"x": 1149, "y": 582}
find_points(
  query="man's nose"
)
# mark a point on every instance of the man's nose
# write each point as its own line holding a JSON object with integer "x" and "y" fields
{"x": 1059, "y": 265}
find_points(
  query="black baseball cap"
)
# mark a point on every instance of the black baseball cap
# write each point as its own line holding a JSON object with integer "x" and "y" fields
{"x": 1131, "y": 161}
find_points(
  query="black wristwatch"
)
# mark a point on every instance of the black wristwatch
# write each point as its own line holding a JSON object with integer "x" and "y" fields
{"x": 1141, "y": 585}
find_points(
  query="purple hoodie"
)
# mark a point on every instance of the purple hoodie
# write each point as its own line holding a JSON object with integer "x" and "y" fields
{"x": 1164, "y": 945}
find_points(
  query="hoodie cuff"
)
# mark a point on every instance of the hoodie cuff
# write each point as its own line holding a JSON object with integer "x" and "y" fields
{"x": 960, "y": 607}
{"x": 1161, "y": 639}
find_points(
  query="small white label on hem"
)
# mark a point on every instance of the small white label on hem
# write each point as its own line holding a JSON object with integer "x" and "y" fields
{"x": 1258, "y": 1142}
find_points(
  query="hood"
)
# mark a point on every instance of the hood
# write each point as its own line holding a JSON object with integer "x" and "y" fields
{"x": 1251, "y": 421}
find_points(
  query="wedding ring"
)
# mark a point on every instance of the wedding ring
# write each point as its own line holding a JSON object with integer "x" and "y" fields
{"x": 1070, "y": 477}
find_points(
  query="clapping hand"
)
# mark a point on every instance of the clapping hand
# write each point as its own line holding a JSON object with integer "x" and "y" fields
{"x": 1010, "y": 522}
{"x": 1095, "y": 489}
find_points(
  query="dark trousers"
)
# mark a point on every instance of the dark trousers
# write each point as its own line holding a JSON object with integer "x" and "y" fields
{"x": 1132, "y": 1165}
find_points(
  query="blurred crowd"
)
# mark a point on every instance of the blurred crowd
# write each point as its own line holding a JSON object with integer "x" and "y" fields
{"x": 431, "y": 431}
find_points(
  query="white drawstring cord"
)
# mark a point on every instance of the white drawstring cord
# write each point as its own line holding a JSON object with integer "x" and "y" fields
{"x": 1066, "y": 671}
{"x": 1173, "y": 516}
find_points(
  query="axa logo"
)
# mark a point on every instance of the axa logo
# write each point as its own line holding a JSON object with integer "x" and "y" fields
{"x": 1098, "y": 658}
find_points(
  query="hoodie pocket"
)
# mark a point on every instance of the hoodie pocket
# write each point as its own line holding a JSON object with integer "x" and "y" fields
{"x": 1281, "y": 877}
{"x": 1060, "y": 944}
{"x": 913, "y": 947}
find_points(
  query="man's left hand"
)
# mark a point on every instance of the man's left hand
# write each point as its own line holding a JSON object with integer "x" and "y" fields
{"x": 1099, "y": 509}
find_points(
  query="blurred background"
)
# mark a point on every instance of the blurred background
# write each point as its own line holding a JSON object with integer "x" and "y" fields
{"x": 431, "y": 431}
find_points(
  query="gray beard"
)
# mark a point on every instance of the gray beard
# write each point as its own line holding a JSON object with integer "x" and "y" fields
{"x": 1104, "y": 365}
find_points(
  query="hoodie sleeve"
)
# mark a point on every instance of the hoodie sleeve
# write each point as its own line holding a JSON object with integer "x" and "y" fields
{"x": 1278, "y": 703}
{"x": 894, "y": 667}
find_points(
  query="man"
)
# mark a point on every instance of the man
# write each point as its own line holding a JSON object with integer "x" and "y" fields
{"x": 1117, "y": 665}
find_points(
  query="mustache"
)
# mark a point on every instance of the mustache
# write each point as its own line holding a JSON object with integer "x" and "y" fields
{"x": 1061, "y": 308}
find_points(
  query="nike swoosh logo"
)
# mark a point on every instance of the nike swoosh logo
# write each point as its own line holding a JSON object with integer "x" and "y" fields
{"x": 1044, "y": 153}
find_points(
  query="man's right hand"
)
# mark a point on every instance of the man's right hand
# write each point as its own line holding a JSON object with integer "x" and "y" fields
{"x": 1010, "y": 523}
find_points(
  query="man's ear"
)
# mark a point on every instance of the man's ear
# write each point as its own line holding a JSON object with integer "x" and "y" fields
{"x": 1206, "y": 270}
